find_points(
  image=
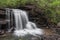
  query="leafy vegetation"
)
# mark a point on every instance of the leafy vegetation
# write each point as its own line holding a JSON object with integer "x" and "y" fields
{"x": 51, "y": 7}
{"x": 12, "y": 3}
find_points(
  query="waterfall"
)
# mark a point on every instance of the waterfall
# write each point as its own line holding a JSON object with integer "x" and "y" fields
{"x": 23, "y": 26}
{"x": 18, "y": 19}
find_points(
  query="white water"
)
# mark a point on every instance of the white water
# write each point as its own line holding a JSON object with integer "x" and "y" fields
{"x": 23, "y": 25}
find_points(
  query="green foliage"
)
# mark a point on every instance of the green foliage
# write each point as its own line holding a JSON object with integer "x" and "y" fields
{"x": 51, "y": 7}
{"x": 55, "y": 10}
{"x": 12, "y": 3}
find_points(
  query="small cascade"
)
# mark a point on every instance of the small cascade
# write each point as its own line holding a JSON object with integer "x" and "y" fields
{"x": 18, "y": 20}
{"x": 23, "y": 26}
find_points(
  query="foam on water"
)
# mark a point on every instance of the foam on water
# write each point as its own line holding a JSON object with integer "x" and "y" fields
{"x": 24, "y": 32}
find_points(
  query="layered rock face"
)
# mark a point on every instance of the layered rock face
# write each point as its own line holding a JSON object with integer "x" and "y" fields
{"x": 3, "y": 22}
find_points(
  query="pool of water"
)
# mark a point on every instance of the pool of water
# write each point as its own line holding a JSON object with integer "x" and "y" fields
{"x": 27, "y": 37}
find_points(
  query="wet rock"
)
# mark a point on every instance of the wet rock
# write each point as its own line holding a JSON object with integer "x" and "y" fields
{"x": 58, "y": 25}
{"x": 58, "y": 31}
{"x": 58, "y": 38}
{"x": 1, "y": 32}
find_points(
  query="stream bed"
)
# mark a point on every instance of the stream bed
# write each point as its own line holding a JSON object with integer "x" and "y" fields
{"x": 27, "y": 37}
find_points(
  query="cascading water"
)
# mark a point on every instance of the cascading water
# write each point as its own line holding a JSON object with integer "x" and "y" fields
{"x": 23, "y": 25}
